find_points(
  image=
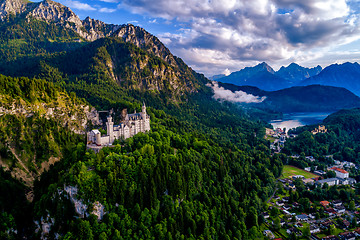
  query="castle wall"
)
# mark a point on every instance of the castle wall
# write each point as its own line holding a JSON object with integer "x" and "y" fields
{"x": 105, "y": 140}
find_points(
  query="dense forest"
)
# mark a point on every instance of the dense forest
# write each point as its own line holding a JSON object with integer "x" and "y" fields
{"x": 163, "y": 184}
{"x": 342, "y": 139}
{"x": 196, "y": 174}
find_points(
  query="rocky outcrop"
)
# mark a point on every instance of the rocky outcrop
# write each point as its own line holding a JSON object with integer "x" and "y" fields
{"x": 146, "y": 41}
{"x": 76, "y": 120}
{"x": 55, "y": 12}
{"x": 14, "y": 7}
{"x": 96, "y": 29}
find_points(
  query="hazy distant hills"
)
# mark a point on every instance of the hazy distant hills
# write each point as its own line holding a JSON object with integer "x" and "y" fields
{"x": 216, "y": 77}
{"x": 264, "y": 77}
{"x": 313, "y": 98}
{"x": 345, "y": 75}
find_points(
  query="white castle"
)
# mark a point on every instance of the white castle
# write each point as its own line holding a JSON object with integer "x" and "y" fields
{"x": 133, "y": 124}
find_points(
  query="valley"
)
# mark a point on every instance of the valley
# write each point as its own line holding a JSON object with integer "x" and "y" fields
{"x": 294, "y": 120}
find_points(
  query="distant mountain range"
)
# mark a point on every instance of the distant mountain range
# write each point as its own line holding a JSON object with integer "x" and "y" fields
{"x": 312, "y": 98}
{"x": 346, "y": 75}
{"x": 264, "y": 77}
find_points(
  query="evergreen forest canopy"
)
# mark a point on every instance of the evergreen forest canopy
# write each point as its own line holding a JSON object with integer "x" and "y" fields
{"x": 185, "y": 181}
{"x": 342, "y": 139}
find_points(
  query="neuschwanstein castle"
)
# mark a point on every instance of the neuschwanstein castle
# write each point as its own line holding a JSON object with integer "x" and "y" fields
{"x": 132, "y": 124}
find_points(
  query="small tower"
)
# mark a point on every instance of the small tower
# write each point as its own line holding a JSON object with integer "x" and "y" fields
{"x": 110, "y": 128}
{"x": 145, "y": 122}
{"x": 144, "y": 108}
{"x": 143, "y": 112}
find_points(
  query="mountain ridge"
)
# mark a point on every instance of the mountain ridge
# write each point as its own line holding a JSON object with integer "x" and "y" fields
{"x": 117, "y": 58}
{"x": 264, "y": 77}
{"x": 295, "y": 73}
{"x": 311, "y": 98}
{"x": 345, "y": 75}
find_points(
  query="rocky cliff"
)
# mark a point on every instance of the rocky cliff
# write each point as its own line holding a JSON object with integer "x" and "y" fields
{"x": 14, "y": 7}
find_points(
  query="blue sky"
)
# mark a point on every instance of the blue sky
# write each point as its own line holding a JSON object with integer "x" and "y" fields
{"x": 221, "y": 36}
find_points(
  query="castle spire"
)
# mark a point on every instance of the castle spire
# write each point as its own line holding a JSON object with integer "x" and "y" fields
{"x": 144, "y": 108}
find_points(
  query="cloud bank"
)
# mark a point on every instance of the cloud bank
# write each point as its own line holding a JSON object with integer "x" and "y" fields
{"x": 232, "y": 34}
{"x": 221, "y": 93}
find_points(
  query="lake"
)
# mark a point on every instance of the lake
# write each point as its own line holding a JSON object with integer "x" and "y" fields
{"x": 293, "y": 120}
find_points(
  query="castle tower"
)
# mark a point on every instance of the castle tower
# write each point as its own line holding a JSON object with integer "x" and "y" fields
{"x": 143, "y": 120}
{"x": 143, "y": 109}
{"x": 110, "y": 129}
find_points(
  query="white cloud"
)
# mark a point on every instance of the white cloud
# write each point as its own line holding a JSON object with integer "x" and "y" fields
{"x": 107, "y": 10}
{"x": 221, "y": 93}
{"x": 78, "y": 5}
{"x": 231, "y": 33}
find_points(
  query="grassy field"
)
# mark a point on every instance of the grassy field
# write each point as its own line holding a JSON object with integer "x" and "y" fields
{"x": 291, "y": 171}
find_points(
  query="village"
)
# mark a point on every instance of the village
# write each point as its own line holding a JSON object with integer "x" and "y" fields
{"x": 290, "y": 214}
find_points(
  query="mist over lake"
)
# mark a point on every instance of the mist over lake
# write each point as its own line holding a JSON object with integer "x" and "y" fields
{"x": 293, "y": 120}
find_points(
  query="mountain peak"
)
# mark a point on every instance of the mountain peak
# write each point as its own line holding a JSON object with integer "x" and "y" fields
{"x": 295, "y": 73}
{"x": 144, "y": 40}
{"x": 338, "y": 75}
{"x": 14, "y": 7}
{"x": 264, "y": 66}
{"x": 51, "y": 11}
{"x": 294, "y": 65}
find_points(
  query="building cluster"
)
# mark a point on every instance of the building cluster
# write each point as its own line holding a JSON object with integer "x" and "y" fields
{"x": 320, "y": 129}
{"x": 131, "y": 125}
{"x": 342, "y": 178}
{"x": 293, "y": 220}
{"x": 279, "y": 136}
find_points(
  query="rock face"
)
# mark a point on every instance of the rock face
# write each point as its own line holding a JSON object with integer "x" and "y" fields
{"x": 14, "y": 7}
{"x": 295, "y": 73}
{"x": 88, "y": 29}
{"x": 144, "y": 40}
{"x": 53, "y": 12}
{"x": 96, "y": 29}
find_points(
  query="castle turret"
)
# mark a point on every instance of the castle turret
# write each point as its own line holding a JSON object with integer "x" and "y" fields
{"x": 144, "y": 108}
{"x": 110, "y": 129}
{"x": 98, "y": 138}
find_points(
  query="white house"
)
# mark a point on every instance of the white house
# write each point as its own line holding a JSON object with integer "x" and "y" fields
{"x": 340, "y": 173}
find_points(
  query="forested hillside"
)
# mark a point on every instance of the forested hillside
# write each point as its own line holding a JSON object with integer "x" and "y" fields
{"x": 313, "y": 98}
{"x": 203, "y": 171}
{"x": 341, "y": 140}
{"x": 37, "y": 120}
{"x": 164, "y": 184}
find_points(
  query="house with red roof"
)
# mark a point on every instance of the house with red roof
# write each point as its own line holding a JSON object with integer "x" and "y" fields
{"x": 340, "y": 173}
{"x": 324, "y": 203}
